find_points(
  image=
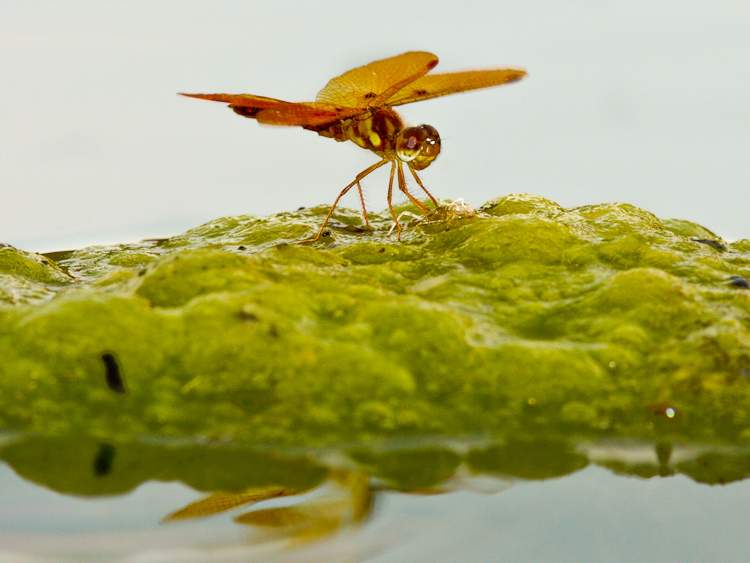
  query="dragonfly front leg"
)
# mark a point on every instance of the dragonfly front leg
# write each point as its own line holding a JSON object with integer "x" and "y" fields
{"x": 402, "y": 187}
{"x": 414, "y": 173}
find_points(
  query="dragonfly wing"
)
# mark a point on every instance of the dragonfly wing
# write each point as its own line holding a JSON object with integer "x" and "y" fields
{"x": 371, "y": 85}
{"x": 434, "y": 85}
{"x": 239, "y": 100}
{"x": 278, "y": 112}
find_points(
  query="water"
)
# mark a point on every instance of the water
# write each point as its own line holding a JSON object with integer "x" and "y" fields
{"x": 436, "y": 503}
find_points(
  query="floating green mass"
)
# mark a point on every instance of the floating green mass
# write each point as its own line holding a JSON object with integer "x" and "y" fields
{"x": 526, "y": 320}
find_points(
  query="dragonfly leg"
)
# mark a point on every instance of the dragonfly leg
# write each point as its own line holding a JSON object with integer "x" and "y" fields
{"x": 414, "y": 173}
{"x": 364, "y": 207}
{"x": 390, "y": 198}
{"x": 357, "y": 180}
{"x": 402, "y": 187}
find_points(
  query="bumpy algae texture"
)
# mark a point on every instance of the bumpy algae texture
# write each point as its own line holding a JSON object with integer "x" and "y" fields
{"x": 528, "y": 319}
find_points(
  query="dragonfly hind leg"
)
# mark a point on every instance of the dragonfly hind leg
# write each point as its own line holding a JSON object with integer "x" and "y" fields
{"x": 364, "y": 207}
{"x": 356, "y": 181}
{"x": 390, "y": 201}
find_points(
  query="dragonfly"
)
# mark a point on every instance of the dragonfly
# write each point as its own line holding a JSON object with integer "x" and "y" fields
{"x": 358, "y": 106}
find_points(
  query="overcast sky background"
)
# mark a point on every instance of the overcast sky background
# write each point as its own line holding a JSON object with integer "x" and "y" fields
{"x": 642, "y": 102}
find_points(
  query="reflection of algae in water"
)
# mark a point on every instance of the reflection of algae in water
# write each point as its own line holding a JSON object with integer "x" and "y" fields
{"x": 538, "y": 459}
{"x": 74, "y": 465}
{"x": 531, "y": 318}
{"x": 346, "y": 483}
{"x": 409, "y": 469}
{"x": 86, "y": 466}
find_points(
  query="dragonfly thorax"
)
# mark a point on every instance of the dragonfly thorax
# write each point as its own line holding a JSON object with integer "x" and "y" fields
{"x": 383, "y": 132}
{"x": 376, "y": 132}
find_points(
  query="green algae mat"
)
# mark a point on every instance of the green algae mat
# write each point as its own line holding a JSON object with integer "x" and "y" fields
{"x": 527, "y": 319}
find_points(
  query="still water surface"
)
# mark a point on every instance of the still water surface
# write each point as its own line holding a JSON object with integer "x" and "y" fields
{"x": 592, "y": 513}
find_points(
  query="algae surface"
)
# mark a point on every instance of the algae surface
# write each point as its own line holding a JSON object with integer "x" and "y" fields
{"x": 528, "y": 319}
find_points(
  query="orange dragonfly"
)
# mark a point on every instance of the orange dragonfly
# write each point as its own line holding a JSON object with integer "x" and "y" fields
{"x": 357, "y": 106}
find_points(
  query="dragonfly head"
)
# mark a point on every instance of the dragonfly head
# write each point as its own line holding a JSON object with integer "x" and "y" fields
{"x": 418, "y": 145}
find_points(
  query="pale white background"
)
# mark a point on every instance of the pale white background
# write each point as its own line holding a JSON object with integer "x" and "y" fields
{"x": 639, "y": 101}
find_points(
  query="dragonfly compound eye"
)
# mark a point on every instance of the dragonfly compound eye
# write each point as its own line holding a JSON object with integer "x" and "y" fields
{"x": 418, "y": 145}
